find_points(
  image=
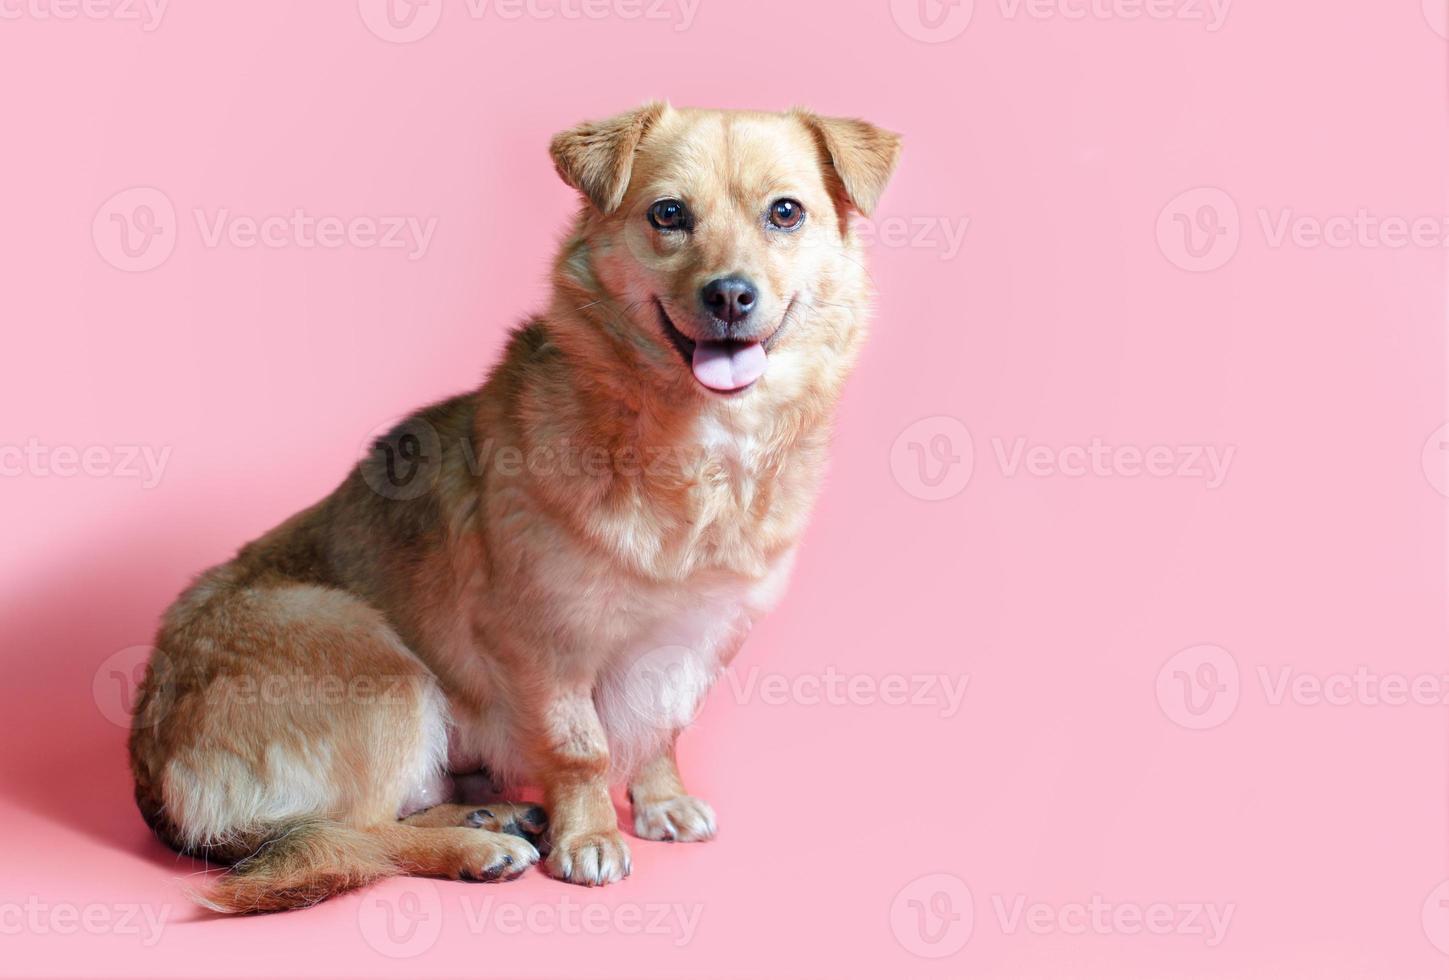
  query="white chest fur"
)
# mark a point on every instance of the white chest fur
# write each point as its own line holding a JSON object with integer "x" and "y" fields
{"x": 668, "y": 646}
{"x": 659, "y": 649}
{"x": 655, "y": 685}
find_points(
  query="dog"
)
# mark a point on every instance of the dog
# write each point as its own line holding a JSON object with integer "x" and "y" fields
{"x": 536, "y": 581}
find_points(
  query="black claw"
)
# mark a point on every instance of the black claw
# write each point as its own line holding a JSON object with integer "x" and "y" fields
{"x": 496, "y": 871}
{"x": 477, "y": 817}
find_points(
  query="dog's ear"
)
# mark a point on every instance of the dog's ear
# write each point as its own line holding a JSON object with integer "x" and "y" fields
{"x": 596, "y": 158}
{"x": 862, "y": 155}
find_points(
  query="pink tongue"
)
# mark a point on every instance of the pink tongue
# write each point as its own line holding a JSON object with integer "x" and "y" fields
{"x": 723, "y": 366}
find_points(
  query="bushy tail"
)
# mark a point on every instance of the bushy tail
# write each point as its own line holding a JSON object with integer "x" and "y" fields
{"x": 298, "y": 865}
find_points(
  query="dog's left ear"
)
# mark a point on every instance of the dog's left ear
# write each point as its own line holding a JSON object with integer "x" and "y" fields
{"x": 596, "y": 158}
{"x": 862, "y": 155}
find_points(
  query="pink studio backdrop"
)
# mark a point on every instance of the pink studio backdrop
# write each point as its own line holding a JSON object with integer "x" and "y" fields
{"x": 1117, "y": 647}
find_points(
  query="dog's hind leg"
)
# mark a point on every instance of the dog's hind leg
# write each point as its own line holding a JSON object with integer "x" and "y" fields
{"x": 286, "y": 727}
{"x": 526, "y": 819}
{"x": 463, "y": 853}
{"x": 307, "y": 861}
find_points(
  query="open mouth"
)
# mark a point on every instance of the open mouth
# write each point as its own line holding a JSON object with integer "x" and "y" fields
{"x": 723, "y": 366}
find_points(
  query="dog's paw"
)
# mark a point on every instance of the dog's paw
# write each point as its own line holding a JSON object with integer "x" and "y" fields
{"x": 520, "y": 819}
{"x": 495, "y": 857}
{"x": 590, "y": 859}
{"x": 681, "y": 818}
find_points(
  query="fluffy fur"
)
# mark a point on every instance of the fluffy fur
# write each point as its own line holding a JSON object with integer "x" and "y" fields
{"x": 538, "y": 579}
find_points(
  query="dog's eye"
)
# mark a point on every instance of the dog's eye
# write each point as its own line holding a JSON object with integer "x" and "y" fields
{"x": 669, "y": 215}
{"x": 787, "y": 214}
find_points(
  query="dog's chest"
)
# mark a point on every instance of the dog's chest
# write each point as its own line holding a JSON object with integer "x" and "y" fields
{"x": 681, "y": 577}
{"x": 653, "y": 648}
{"x": 668, "y": 645}
{"x": 721, "y": 505}
{"x": 609, "y": 616}
{"x": 650, "y": 594}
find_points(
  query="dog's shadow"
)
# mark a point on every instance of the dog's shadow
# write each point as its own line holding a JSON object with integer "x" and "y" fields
{"x": 75, "y": 636}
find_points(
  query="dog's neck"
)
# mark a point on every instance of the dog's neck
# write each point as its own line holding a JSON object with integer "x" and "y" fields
{"x": 757, "y": 432}
{"x": 672, "y": 486}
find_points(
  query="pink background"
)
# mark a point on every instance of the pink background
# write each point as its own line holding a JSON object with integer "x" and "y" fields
{"x": 1068, "y": 771}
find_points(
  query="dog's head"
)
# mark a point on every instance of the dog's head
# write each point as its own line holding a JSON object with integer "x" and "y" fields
{"x": 715, "y": 249}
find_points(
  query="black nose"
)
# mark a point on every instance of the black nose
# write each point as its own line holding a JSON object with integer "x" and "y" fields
{"x": 730, "y": 299}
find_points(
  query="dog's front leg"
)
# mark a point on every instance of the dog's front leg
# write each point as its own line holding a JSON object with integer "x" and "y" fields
{"x": 662, "y": 808}
{"x": 570, "y": 755}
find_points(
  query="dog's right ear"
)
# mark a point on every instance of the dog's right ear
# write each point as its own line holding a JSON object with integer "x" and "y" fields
{"x": 596, "y": 158}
